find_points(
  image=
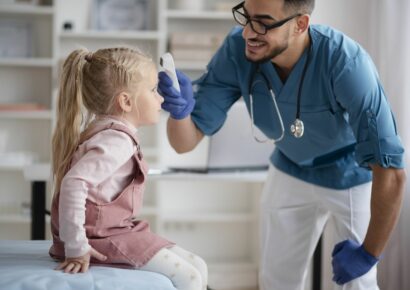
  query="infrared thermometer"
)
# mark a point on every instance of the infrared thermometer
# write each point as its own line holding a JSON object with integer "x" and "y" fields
{"x": 167, "y": 63}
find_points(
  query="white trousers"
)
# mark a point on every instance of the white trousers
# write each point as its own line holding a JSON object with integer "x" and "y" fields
{"x": 293, "y": 216}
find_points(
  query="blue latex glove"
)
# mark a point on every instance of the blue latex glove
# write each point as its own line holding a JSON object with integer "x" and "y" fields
{"x": 178, "y": 104}
{"x": 350, "y": 260}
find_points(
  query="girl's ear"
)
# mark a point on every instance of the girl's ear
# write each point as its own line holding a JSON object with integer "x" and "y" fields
{"x": 125, "y": 102}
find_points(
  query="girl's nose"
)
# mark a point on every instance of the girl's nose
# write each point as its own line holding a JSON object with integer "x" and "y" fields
{"x": 161, "y": 98}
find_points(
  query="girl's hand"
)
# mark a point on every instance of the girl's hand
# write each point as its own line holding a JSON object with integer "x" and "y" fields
{"x": 80, "y": 264}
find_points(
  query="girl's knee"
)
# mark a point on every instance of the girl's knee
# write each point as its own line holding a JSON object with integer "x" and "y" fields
{"x": 191, "y": 280}
{"x": 196, "y": 277}
{"x": 202, "y": 267}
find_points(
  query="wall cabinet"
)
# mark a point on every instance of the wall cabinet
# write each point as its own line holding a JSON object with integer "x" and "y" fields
{"x": 27, "y": 73}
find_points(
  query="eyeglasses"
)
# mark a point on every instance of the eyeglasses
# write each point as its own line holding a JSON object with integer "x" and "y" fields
{"x": 256, "y": 25}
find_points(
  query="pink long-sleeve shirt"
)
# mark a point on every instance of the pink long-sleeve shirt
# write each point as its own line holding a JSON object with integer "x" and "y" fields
{"x": 101, "y": 168}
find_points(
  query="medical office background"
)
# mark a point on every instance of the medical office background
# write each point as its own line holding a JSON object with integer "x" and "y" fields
{"x": 35, "y": 36}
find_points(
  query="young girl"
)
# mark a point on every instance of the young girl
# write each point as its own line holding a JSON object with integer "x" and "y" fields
{"x": 100, "y": 173}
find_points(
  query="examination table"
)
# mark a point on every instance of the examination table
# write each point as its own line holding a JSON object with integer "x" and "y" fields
{"x": 26, "y": 265}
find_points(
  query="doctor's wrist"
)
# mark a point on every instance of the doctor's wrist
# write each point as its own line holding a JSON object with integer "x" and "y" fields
{"x": 179, "y": 115}
{"x": 371, "y": 259}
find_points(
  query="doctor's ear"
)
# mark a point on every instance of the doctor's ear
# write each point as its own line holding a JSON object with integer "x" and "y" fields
{"x": 302, "y": 23}
{"x": 124, "y": 101}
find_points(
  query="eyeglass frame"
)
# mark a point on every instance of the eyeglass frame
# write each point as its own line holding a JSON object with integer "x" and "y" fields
{"x": 267, "y": 27}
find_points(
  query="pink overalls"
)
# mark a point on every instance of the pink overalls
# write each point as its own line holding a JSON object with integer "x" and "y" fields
{"x": 110, "y": 227}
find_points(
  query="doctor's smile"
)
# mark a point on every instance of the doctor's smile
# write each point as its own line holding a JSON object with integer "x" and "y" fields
{"x": 254, "y": 46}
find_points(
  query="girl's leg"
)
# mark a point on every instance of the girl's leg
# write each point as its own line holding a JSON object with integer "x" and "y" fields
{"x": 183, "y": 275}
{"x": 195, "y": 261}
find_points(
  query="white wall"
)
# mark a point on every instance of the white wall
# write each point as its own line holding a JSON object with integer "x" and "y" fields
{"x": 353, "y": 17}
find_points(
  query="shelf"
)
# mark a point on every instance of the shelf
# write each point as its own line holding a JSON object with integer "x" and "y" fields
{"x": 238, "y": 176}
{"x": 11, "y": 167}
{"x": 26, "y": 9}
{"x": 209, "y": 218}
{"x": 17, "y": 218}
{"x": 42, "y": 171}
{"x": 19, "y": 164}
{"x": 233, "y": 265}
{"x": 127, "y": 35}
{"x": 205, "y": 15}
{"x": 27, "y": 62}
{"x": 26, "y": 115}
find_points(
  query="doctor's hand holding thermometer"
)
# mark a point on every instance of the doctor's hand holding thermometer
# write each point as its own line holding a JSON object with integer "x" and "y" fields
{"x": 176, "y": 89}
{"x": 178, "y": 103}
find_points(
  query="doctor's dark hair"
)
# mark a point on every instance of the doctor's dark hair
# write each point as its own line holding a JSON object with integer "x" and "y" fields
{"x": 89, "y": 85}
{"x": 300, "y": 6}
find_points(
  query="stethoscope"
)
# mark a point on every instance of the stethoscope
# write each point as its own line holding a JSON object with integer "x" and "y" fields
{"x": 297, "y": 128}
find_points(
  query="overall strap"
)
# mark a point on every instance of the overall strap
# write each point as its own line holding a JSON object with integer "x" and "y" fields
{"x": 89, "y": 133}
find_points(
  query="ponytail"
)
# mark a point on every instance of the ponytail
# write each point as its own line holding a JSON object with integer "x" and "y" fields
{"x": 69, "y": 115}
{"x": 88, "y": 86}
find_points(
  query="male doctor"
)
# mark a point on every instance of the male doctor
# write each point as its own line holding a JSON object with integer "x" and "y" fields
{"x": 338, "y": 157}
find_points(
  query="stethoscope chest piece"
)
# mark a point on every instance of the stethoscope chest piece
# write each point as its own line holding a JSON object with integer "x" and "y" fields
{"x": 297, "y": 128}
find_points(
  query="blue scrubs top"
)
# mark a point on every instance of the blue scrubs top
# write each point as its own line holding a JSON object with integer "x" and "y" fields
{"x": 348, "y": 121}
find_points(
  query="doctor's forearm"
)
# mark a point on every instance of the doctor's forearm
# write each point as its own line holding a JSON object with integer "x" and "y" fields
{"x": 387, "y": 195}
{"x": 183, "y": 135}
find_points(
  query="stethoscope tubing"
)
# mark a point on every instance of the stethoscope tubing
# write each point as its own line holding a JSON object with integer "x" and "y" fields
{"x": 297, "y": 127}
{"x": 276, "y": 109}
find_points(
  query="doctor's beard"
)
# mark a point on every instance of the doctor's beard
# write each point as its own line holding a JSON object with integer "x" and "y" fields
{"x": 273, "y": 53}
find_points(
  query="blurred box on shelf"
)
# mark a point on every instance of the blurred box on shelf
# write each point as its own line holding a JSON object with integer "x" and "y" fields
{"x": 225, "y": 6}
{"x": 192, "y": 5}
{"x": 24, "y": 2}
{"x": 27, "y": 2}
{"x": 194, "y": 39}
{"x": 15, "y": 38}
{"x": 194, "y": 54}
{"x": 195, "y": 46}
{"x": 120, "y": 14}
{"x": 7, "y": 107}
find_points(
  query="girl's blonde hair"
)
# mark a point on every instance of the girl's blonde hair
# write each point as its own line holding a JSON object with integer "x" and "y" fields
{"x": 88, "y": 86}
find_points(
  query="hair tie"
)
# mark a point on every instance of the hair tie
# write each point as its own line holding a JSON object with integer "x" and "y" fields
{"x": 89, "y": 56}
